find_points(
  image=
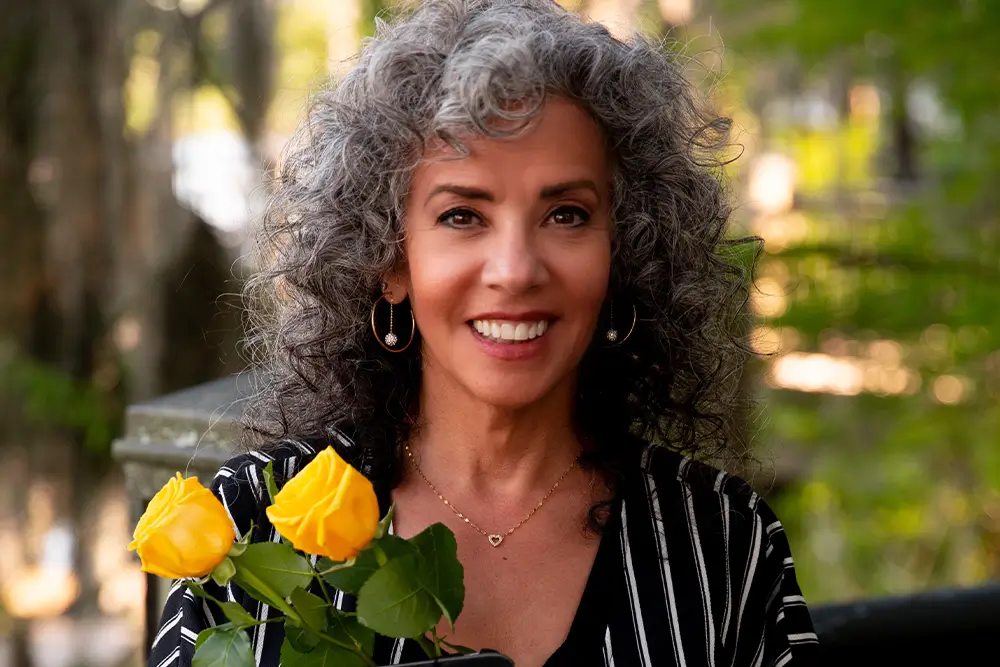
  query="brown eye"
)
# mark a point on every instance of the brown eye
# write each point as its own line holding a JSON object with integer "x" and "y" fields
{"x": 458, "y": 218}
{"x": 569, "y": 216}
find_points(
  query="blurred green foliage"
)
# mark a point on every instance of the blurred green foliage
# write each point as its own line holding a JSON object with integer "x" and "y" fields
{"x": 899, "y": 490}
{"x": 51, "y": 398}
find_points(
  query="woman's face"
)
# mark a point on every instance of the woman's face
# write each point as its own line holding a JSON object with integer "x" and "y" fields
{"x": 508, "y": 252}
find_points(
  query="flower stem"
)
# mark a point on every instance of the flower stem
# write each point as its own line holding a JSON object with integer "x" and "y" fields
{"x": 354, "y": 649}
{"x": 380, "y": 556}
{"x": 276, "y": 600}
{"x": 437, "y": 642}
{"x": 322, "y": 584}
{"x": 428, "y": 646}
{"x": 278, "y": 603}
{"x": 289, "y": 611}
{"x": 338, "y": 566}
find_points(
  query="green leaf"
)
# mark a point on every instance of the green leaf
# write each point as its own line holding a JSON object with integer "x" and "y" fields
{"x": 223, "y": 646}
{"x": 394, "y": 603}
{"x": 385, "y": 523}
{"x": 393, "y": 546}
{"x": 351, "y": 578}
{"x": 247, "y": 537}
{"x": 430, "y": 649}
{"x": 323, "y": 563}
{"x": 346, "y": 628}
{"x": 324, "y": 655}
{"x": 268, "y": 567}
{"x": 208, "y": 632}
{"x": 239, "y": 616}
{"x": 440, "y": 572}
{"x": 250, "y": 590}
{"x": 301, "y": 639}
{"x": 311, "y": 608}
{"x": 224, "y": 571}
{"x": 272, "y": 488}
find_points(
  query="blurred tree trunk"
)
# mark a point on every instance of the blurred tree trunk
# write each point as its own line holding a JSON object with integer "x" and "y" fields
{"x": 22, "y": 295}
{"x": 82, "y": 119}
{"x": 21, "y": 223}
{"x": 904, "y": 136}
{"x": 251, "y": 64}
{"x": 199, "y": 314}
{"x": 841, "y": 80}
{"x": 94, "y": 247}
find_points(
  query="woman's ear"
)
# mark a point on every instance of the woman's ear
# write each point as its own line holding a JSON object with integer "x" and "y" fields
{"x": 395, "y": 288}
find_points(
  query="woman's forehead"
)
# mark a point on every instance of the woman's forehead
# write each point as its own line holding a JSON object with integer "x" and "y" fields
{"x": 561, "y": 136}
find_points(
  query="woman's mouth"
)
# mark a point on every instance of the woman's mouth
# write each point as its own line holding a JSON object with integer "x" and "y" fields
{"x": 510, "y": 331}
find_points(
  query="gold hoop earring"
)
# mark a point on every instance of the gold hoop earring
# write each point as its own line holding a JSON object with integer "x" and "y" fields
{"x": 390, "y": 340}
{"x": 612, "y": 334}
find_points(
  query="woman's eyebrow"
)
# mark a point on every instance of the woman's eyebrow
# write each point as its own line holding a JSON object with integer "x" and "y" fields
{"x": 548, "y": 192}
{"x": 461, "y": 191}
{"x": 559, "y": 189}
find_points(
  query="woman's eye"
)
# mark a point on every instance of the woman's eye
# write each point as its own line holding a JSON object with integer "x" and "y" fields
{"x": 458, "y": 218}
{"x": 569, "y": 216}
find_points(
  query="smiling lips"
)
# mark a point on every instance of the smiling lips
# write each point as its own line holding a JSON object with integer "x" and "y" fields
{"x": 510, "y": 331}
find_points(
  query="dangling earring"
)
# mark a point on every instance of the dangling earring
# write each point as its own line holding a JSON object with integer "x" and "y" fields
{"x": 612, "y": 334}
{"x": 390, "y": 340}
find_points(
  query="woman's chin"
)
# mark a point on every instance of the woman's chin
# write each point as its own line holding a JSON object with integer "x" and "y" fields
{"x": 509, "y": 395}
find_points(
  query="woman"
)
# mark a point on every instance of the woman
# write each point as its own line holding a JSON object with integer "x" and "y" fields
{"x": 500, "y": 287}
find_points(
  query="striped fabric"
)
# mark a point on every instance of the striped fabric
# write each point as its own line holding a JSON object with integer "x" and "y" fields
{"x": 693, "y": 570}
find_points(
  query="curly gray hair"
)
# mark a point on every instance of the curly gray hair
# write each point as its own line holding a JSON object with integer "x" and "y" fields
{"x": 445, "y": 70}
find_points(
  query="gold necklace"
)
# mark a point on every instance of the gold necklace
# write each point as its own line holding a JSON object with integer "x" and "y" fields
{"x": 494, "y": 538}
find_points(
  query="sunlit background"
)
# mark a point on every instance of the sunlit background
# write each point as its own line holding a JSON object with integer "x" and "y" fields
{"x": 134, "y": 141}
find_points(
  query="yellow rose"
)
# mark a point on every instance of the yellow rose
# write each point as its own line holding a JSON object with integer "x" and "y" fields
{"x": 185, "y": 531}
{"x": 327, "y": 509}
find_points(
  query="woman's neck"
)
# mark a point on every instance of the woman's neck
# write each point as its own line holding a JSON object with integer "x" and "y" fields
{"x": 490, "y": 450}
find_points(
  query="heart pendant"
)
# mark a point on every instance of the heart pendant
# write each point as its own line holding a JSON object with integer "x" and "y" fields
{"x": 495, "y": 540}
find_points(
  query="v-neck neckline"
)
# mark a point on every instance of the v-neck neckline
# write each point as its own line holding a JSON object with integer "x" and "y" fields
{"x": 586, "y": 631}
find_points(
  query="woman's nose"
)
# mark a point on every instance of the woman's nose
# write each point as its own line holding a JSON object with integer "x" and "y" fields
{"x": 513, "y": 260}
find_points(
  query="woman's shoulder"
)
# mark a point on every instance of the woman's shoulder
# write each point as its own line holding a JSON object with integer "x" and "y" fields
{"x": 240, "y": 482}
{"x": 703, "y": 492}
{"x": 722, "y": 549}
{"x": 285, "y": 457}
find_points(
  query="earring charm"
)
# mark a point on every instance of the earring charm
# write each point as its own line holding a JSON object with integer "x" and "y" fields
{"x": 612, "y": 334}
{"x": 391, "y": 339}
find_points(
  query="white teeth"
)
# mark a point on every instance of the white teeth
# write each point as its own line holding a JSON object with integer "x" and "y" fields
{"x": 510, "y": 332}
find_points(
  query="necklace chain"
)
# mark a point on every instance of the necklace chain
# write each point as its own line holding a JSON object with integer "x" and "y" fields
{"x": 495, "y": 539}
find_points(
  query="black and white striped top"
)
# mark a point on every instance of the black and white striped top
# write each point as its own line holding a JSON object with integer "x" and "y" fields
{"x": 693, "y": 570}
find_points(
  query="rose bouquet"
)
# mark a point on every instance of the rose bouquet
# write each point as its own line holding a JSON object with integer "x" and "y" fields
{"x": 328, "y": 518}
